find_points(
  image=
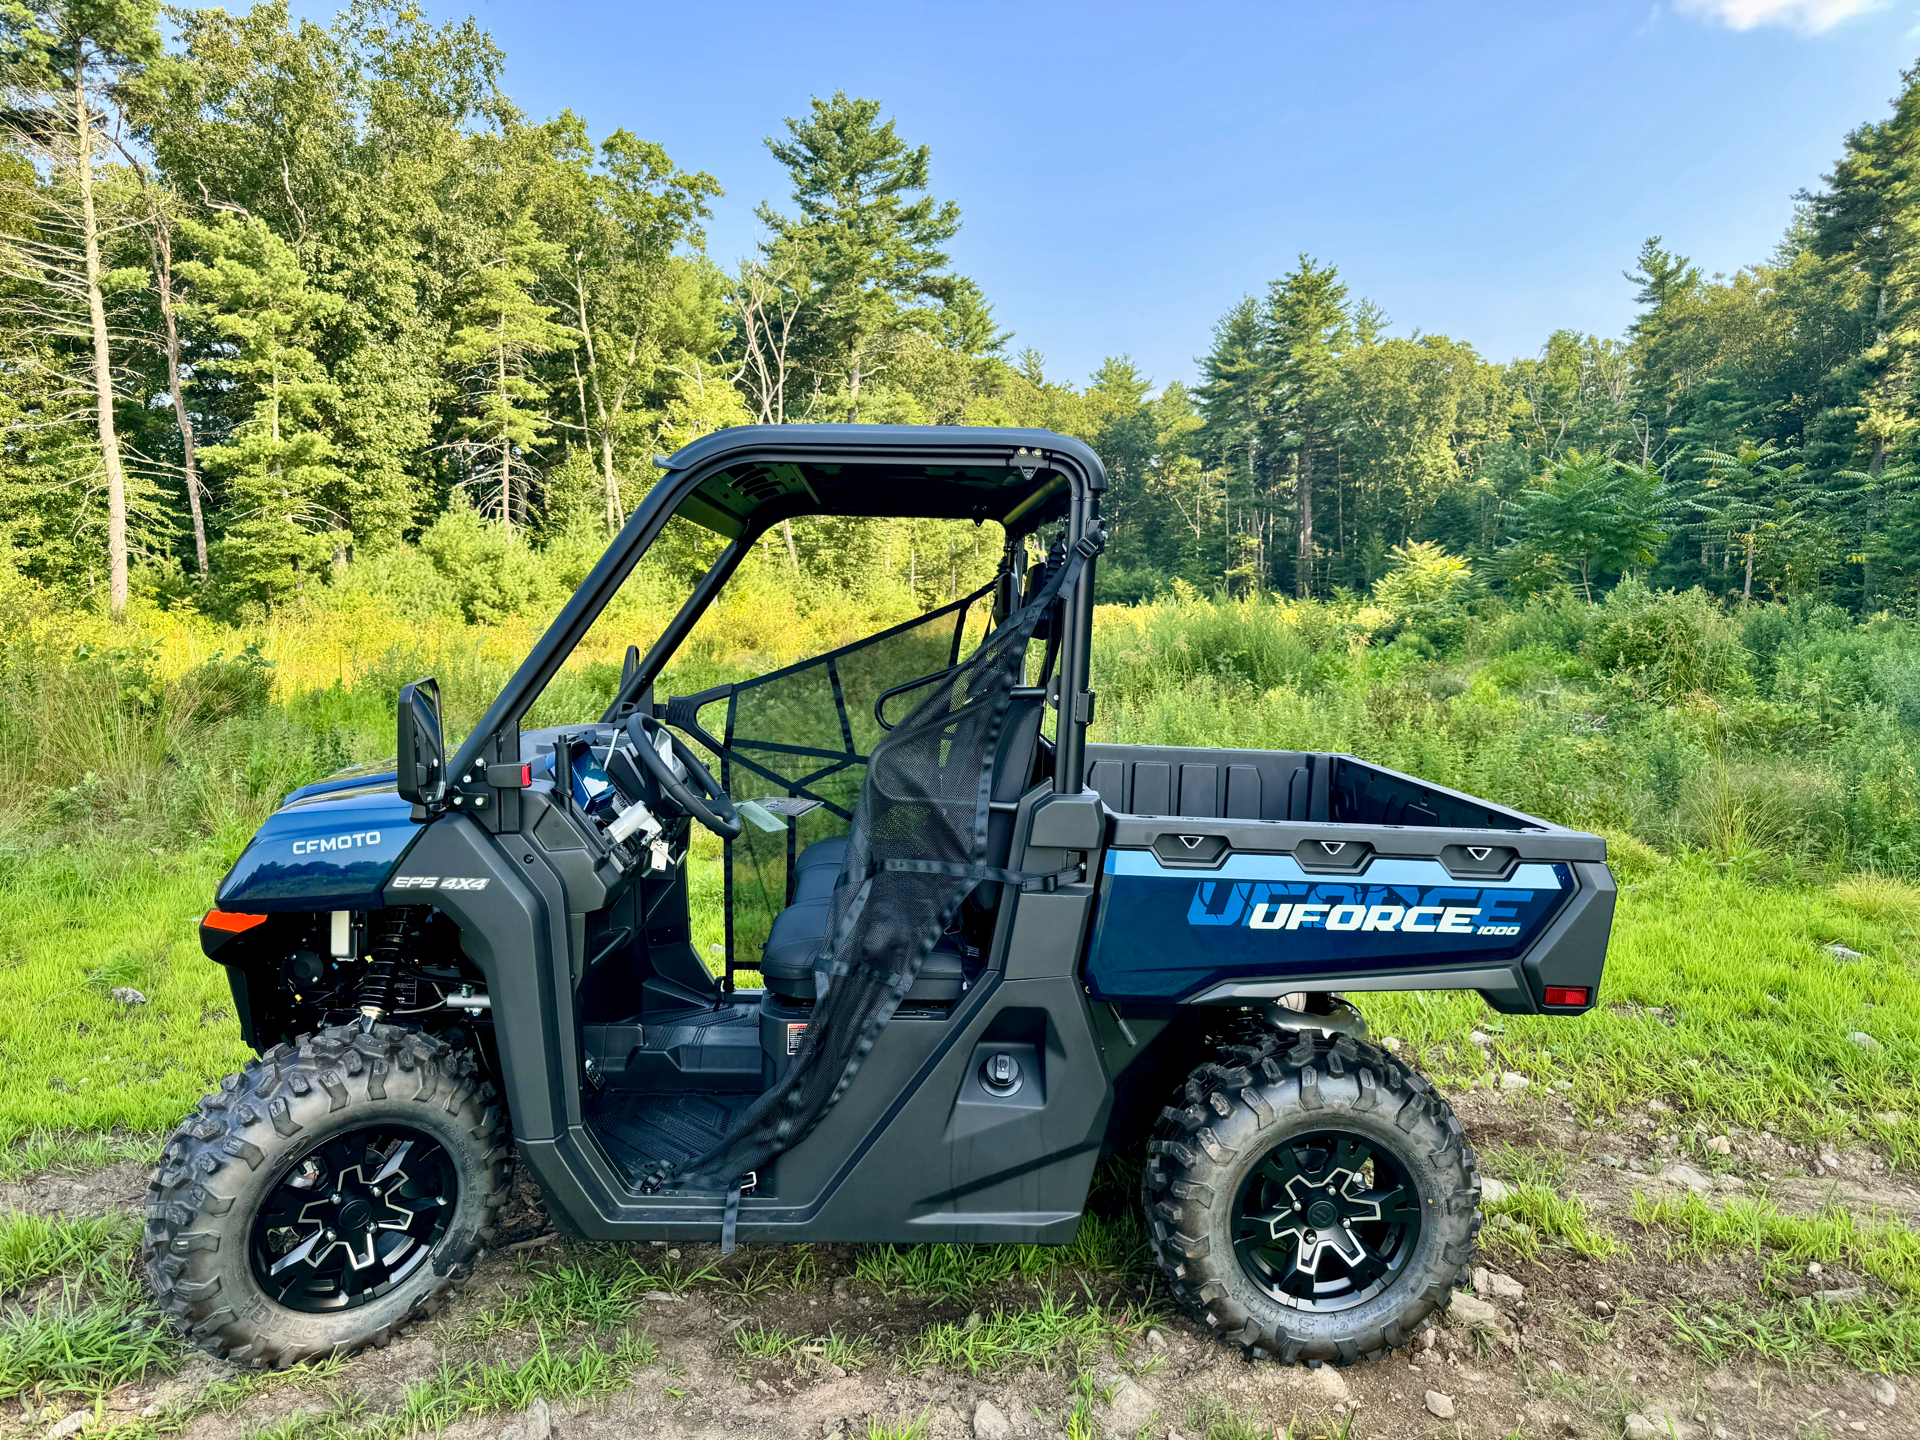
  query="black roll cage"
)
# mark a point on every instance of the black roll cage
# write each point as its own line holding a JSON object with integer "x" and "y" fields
{"x": 1046, "y": 464}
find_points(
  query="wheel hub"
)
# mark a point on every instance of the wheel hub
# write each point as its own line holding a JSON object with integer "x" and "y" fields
{"x": 353, "y": 1218}
{"x": 1327, "y": 1220}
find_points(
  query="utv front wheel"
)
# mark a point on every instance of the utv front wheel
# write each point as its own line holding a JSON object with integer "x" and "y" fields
{"x": 1311, "y": 1201}
{"x": 331, "y": 1193}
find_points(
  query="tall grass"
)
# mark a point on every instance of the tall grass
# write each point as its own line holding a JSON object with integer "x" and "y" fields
{"x": 1715, "y": 750}
{"x": 1649, "y": 716}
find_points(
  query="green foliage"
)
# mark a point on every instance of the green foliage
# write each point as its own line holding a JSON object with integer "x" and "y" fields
{"x": 1883, "y": 1247}
{"x": 499, "y": 330}
{"x": 397, "y": 295}
{"x": 1869, "y": 1338}
{"x": 1531, "y": 1212}
{"x": 278, "y": 463}
{"x": 1044, "y": 1335}
{"x": 1100, "y": 1248}
{"x": 76, "y": 1316}
{"x": 1426, "y": 593}
{"x": 1591, "y": 514}
{"x": 490, "y": 574}
{"x": 1668, "y": 645}
{"x": 864, "y": 246}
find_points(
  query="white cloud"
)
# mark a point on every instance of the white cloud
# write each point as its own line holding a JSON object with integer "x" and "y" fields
{"x": 1810, "y": 17}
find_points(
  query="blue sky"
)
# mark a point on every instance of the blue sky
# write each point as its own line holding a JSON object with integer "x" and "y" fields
{"x": 1127, "y": 171}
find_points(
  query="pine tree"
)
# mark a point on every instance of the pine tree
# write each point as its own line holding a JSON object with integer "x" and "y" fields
{"x": 1867, "y": 221}
{"x": 502, "y": 330}
{"x": 1233, "y": 388}
{"x": 871, "y": 252}
{"x": 1665, "y": 362}
{"x": 279, "y": 462}
{"x": 1307, "y": 328}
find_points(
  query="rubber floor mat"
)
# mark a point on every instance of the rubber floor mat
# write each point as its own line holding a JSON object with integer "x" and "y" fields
{"x": 641, "y": 1129}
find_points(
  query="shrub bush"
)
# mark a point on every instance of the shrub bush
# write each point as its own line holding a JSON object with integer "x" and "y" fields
{"x": 1667, "y": 644}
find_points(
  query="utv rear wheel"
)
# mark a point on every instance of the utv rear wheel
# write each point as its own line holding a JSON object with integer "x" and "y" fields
{"x": 334, "y": 1191}
{"x": 1311, "y": 1200}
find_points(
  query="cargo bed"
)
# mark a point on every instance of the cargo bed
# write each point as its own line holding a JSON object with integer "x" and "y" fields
{"x": 1239, "y": 876}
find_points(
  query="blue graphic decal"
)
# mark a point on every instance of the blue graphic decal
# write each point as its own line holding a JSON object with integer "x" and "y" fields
{"x": 1262, "y": 917}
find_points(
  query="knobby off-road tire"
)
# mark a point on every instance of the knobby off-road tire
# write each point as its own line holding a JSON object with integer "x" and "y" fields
{"x": 291, "y": 1117}
{"x": 1236, "y": 1114}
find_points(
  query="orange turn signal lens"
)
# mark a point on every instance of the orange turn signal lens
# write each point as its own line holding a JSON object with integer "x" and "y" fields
{"x": 1567, "y": 995}
{"x": 235, "y": 921}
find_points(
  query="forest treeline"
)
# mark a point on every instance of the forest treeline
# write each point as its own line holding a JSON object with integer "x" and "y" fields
{"x": 279, "y": 298}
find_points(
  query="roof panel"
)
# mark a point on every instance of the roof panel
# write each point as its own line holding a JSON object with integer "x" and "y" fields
{"x": 757, "y": 475}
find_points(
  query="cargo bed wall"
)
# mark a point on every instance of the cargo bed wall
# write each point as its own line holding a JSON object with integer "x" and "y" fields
{"x": 1280, "y": 786}
{"x": 1233, "y": 876}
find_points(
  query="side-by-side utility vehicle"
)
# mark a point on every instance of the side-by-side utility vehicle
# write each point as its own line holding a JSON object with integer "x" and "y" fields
{"x": 989, "y": 952}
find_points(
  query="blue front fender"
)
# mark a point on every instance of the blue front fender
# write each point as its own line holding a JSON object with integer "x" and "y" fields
{"x": 327, "y": 852}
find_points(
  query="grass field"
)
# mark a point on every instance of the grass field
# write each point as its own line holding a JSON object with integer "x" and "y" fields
{"x": 1761, "y": 986}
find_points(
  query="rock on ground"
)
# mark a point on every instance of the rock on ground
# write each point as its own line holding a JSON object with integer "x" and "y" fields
{"x": 1680, "y": 1175}
{"x": 1884, "y": 1392}
{"x": 1473, "y": 1310}
{"x": 991, "y": 1423}
{"x": 1439, "y": 1405}
{"x": 1128, "y": 1410}
{"x": 1639, "y": 1428}
{"x": 1505, "y": 1286}
{"x": 1493, "y": 1192}
{"x": 1329, "y": 1382}
{"x": 1513, "y": 1081}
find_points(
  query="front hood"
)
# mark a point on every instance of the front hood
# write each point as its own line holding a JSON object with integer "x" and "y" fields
{"x": 330, "y": 848}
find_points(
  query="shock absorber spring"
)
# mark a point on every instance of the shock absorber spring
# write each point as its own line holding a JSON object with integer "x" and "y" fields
{"x": 377, "y": 981}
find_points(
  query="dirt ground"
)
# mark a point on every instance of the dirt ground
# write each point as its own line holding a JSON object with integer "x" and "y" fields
{"x": 1587, "y": 1347}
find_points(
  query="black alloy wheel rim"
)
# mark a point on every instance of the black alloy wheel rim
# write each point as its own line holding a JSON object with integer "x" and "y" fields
{"x": 352, "y": 1218}
{"x": 1327, "y": 1220}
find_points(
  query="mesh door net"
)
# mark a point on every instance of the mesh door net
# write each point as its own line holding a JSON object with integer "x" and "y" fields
{"x": 794, "y": 746}
{"x": 917, "y": 846}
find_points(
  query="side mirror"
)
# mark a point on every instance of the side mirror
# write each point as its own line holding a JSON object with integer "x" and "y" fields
{"x": 421, "y": 750}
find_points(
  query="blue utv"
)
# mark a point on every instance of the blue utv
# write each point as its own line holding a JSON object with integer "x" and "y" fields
{"x": 986, "y": 953}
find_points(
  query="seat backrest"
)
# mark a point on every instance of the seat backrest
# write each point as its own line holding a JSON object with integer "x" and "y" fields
{"x": 1013, "y": 773}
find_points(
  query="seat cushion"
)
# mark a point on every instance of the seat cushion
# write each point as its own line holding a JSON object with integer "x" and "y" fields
{"x": 788, "y": 962}
{"x": 942, "y": 978}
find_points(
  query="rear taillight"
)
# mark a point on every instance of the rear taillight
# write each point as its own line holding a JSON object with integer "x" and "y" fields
{"x": 235, "y": 921}
{"x": 1567, "y": 995}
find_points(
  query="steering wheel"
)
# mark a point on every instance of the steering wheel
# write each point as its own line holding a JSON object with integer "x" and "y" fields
{"x": 705, "y": 801}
